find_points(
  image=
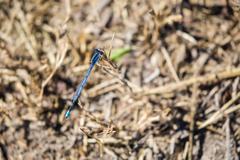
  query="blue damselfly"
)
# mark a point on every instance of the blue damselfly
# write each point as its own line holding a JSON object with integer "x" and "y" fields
{"x": 96, "y": 56}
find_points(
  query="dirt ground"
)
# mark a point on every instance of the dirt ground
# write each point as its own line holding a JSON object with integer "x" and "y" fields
{"x": 174, "y": 93}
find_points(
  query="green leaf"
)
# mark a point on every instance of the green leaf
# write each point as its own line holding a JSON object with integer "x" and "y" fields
{"x": 117, "y": 54}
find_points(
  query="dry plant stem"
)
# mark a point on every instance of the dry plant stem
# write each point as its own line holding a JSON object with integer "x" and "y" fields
{"x": 169, "y": 63}
{"x": 97, "y": 140}
{"x": 113, "y": 70}
{"x": 232, "y": 109}
{"x": 185, "y": 151}
{"x": 230, "y": 144}
{"x": 218, "y": 114}
{"x": 108, "y": 89}
{"x": 129, "y": 84}
{"x": 30, "y": 40}
{"x": 210, "y": 78}
{"x": 26, "y": 40}
{"x": 228, "y": 140}
{"x": 98, "y": 88}
{"x": 110, "y": 48}
{"x": 192, "y": 123}
{"x": 62, "y": 55}
{"x": 95, "y": 119}
{"x": 63, "y": 46}
{"x": 4, "y": 113}
{"x": 212, "y": 129}
{"x": 111, "y": 127}
{"x": 193, "y": 114}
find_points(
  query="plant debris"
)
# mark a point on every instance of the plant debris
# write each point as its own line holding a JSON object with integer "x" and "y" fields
{"x": 174, "y": 92}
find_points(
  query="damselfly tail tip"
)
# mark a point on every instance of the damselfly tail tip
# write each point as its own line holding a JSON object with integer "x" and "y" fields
{"x": 67, "y": 114}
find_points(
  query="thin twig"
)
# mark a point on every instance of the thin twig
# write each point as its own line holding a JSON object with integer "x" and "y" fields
{"x": 97, "y": 140}
{"x": 129, "y": 84}
{"x": 169, "y": 63}
{"x": 62, "y": 44}
{"x": 228, "y": 155}
{"x": 63, "y": 52}
{"x": 218, "y": 114}
{"x": 110, "y": 48}
{"x": 209, "y": 78}
{"x": 193, "y": 113}
{"x": 192, "y": 122}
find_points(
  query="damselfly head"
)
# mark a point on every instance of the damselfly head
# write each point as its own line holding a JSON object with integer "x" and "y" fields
{"x": 97, "y": 50}
{"x": 97, "y": 54}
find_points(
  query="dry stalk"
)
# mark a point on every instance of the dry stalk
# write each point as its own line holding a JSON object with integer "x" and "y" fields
{"x": 63, "y": 51}
{"x": 97, "y": 140}
{"x": 63, "y": 46}
{"x": 230, "y": 143}
{"x": 209, "y": 78}
{"x": 169, "y": 63}
{"x": 218, "y": 114}
{"x": 193, "y": 122}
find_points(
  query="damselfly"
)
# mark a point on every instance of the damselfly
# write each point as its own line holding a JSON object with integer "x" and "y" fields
{"x": 96, "y": 56}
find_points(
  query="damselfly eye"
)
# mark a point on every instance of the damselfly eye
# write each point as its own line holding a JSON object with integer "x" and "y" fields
{"x": 99, "y": 51}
